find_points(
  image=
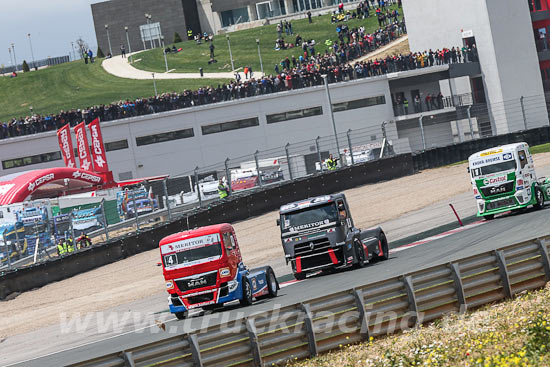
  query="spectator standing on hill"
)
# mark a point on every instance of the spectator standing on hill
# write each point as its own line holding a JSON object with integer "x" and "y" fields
{"x": 290, "y": 27}
{"x": 279, "y": 30}
{"x": 341, "y": 7}
{"x": 123, "y": 51}
{"x": 212, "y": 47}
{"x": 91, "y": 55}
{"x": 85, "y": 54}
{"x": 309, "y": 17}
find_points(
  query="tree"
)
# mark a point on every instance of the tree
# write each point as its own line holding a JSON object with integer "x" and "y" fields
{"x": 100, "y": 53}
{"x": 82, "y": 45}
{"x": 177, "y": 38}
{"x": 25, "y": 67}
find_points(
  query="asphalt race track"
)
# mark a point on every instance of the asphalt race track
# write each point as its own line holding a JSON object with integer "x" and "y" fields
{"x": 498, "y": 233}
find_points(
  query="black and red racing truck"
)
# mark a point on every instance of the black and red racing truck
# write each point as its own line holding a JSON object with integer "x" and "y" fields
{"x": 203, "y": 268}
{"x": 318, "y": 234}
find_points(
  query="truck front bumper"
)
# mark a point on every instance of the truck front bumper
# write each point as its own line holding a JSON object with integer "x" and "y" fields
{"x": 228, "y": 292}
{"x": 332, "y": 258}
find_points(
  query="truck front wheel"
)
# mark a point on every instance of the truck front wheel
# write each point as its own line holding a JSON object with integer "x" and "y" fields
{"x": 300, "y": 276}
{"x": 246, "y": 300}
{"x": 359, "y": 254}
{"x": 181, "y": 315}
{"x": 272, "y": 285}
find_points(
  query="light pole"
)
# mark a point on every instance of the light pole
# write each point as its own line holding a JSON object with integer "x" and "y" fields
{"x": 155, "y": 84}
{"x": 14, "y": 58}
{"x": 11, "y": 59}
{"x": 128, "y": 41}
{"x": 325, "y": 76}
{"x": 260, "y": 56}
{"x": 148, "y": 19}
{"x": 230, "y": 54}
{"x": 164, "y": 52}
{"x": 72, "y": 50}
{"x": 109, "y": 39}
{"x": 32, "y": 53}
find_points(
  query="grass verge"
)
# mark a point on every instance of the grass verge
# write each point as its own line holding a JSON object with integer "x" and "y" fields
{"x": 76, "y": 85}
{"x": 245, "y": 49}
{"x": 511, "y": 333}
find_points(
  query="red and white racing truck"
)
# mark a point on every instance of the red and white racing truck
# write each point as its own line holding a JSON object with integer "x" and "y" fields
{"x": 203, "y": 268}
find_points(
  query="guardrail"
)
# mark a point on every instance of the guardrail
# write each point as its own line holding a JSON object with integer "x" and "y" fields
{"x": 325, "y": 323}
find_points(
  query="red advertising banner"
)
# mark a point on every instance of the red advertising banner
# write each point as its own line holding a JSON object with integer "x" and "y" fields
{"x": 66, "y": 145}
{"x": 82, "y": 147}
{"x": 98, "y": 149}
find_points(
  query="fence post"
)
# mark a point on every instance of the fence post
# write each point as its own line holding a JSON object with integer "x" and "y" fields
{"x": 350, "y": 148}
{"x": 544, "y": 257}
{"x": 135, "y": 209}
{"x": 165, "y": 188}
{"x": 8, "y": 247}
{"x": 258, "y": 168}
{"x": 288, "y": 162}
{"x": 104, "y": 220}
{"x": 227, "y": 175}
{"x": 308, "y": 322}
{"x": 459, "y": 286}
{"x": 470, "y": 122}
{"x": 197, "y": 186}
{"x": 319, "y": 152}
{"x": 422, "y": 131}
{"x": 195, "y": 349}
{"x": 128, "y": 359}
{"x": 413, "y": 307}
{"x": 254, "y": 345}
{"x": 501, "y": 261}
{"x": 363, "y": 317}
{"x": 523, "y": 112}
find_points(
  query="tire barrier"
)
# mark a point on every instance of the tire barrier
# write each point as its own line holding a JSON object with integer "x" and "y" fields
{"x": 350, "y": 316}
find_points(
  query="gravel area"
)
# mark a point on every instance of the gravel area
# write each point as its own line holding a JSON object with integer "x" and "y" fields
{"x": 138, "y": 277}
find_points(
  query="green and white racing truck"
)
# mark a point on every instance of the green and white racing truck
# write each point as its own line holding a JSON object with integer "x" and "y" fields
{"x": 504, "y": 179}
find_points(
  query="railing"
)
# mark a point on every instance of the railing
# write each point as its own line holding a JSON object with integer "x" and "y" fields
{"x": 326, "y": 323}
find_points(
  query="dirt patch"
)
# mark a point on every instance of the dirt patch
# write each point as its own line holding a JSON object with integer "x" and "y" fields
{"x": 138, "y": 277}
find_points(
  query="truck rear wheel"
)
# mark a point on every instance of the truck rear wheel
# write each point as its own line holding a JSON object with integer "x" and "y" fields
{"x": 272, "y": 284}
{"x": 385, "y": 248}
{"x": 181, "y": 315}
{"x": 540, "y": 199}
{"x": 300, "y": 276}
{"x": 246, "y": 300}
{"x": 489, "y": 217}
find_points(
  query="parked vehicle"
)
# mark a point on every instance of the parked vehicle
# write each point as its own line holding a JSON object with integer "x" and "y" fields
{"x": 504, "y": 178}
{"x": 319, "y": 234}
{"x": 203, "y": 268}
{"x": 144, "y": 203}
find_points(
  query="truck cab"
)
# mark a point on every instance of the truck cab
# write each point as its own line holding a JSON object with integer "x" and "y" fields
{"x": 503, "y": 179}
{"x": 203, "y": 268}
{"x": 319, "y": 234}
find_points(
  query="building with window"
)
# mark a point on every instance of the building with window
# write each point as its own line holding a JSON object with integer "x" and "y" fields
{"x": 502, "y": 32}
{"x": 124, "y": 22}
{"x": 540, "y": 16}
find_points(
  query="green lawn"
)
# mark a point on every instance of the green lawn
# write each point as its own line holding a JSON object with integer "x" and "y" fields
{"x": 244, "y": 48}
{"x": 76, "y": 85}
{"x": 543, "y": 148}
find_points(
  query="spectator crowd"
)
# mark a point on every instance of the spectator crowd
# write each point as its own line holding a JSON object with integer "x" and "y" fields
{"x": 336, "y": 62}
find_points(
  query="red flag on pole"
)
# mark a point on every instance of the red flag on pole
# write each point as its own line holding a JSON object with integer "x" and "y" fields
{"x": 66, "y": 145}
{"x": 82, "y": 147}
{"x": 98, "y": 149}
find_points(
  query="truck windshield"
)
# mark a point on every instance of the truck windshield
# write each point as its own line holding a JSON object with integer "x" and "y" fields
{"x": 193, "y": 256}
{"x": 494, "y": 168}
{"x": 309, "y": 218}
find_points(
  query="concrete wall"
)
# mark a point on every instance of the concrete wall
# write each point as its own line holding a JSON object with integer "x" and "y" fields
{"x": 179, "y": 156}
{"x": 502, "y": 29}
{"x": 121, "y": 13}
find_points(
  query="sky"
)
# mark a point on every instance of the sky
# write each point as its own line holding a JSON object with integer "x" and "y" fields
{"x": 53, "y": 24}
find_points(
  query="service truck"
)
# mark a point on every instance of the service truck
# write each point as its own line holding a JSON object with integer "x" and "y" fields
{"x": 319, "y": 234}
{"x": 504, "y": 179}
{"x": 203, "y": 268}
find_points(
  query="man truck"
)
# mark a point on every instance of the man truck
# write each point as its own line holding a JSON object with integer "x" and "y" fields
{"x": 319, "y": 234}
{"x": 203, "y": 268}
{"x": 504, "y": 179}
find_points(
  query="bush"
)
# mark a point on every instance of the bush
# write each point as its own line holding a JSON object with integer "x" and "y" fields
{"x": 100, "y": 53}
{"x": 25, "y": 67}
{"x": 177, "y": 38}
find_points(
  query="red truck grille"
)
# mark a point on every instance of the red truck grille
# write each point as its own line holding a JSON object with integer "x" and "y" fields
{"x": 190, "y": 283}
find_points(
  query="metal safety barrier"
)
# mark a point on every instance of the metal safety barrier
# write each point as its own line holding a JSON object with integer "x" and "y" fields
{"x": 326, "y": 323}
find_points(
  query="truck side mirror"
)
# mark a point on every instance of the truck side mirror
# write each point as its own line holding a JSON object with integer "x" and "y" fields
{"x": 278, "y": 222}
{"x": 159, "y": 264}
{"x": 468, "y": 169}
